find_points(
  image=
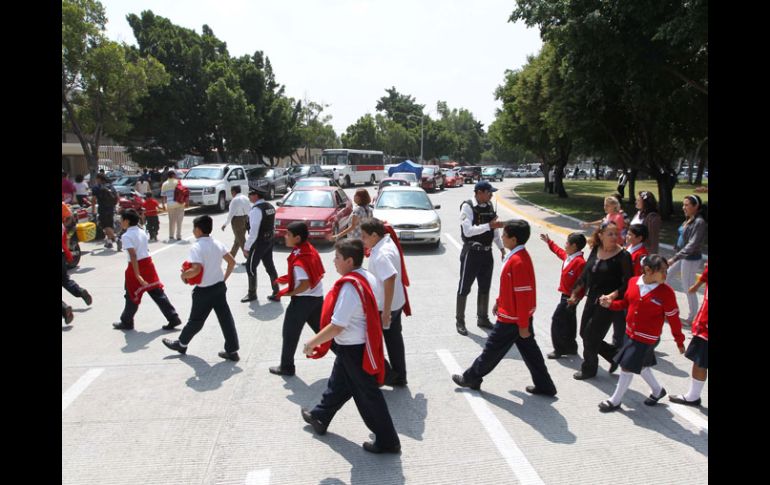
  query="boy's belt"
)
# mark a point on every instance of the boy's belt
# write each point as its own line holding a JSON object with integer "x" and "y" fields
{"x": 477, "y": 246}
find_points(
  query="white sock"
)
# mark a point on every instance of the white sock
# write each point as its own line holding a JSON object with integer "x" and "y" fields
{"x": 623, "y": 382}
{"x": 651, "y": 381}
{"x": 180, "y": 343}
{"x": 696, "y": 387}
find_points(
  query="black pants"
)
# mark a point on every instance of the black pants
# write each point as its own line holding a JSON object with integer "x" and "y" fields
{"x": 618, "y": 328}
{"x": 261, "y": 251}
{"x": 499, "y": 342}
{"x": 204, "y": 300}
{"x": 564, "y": 328}
{"x": 475, "y": 265}
{"x": 160, "y": 299}
{"x": 594, "y": 325}
{"x": 301, "y": 310}
{"x": 394, "y": 342}
{"x": 153, "y": 226}
{"x": 348, "y": 379}
{"x": 66, "y": 282}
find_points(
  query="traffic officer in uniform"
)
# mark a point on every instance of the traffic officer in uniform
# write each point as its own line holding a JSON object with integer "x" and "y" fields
{"x": 478, "y": 224}
{"x": 259, "y": 246}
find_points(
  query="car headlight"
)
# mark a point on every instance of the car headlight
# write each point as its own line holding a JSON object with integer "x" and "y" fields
{"x": 209, "y": 190}
{"x": 317, "y": 223}
{"x": 430, "y": 225}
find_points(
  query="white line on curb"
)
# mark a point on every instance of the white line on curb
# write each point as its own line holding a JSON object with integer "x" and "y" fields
{"x": 258, "y": 477}
{"x": 516, "y": 460}
{"x": 690, "y": 416}
{"x": 79, "y": 386}
{"x": 453, "y": 241}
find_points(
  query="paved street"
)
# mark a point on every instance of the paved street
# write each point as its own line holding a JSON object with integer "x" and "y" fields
{"x": 134, "y": 412}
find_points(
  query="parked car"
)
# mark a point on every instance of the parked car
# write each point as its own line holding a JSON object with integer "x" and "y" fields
{"x": 390, "y": 182}
{"x": 411, "y": 213}
{"x": 273, "y": 179}
{"x": 210, "y": 184}
{"x": 409, "y": 177}
{"x": 298, "y": 172}
{"x": 432, "y": 178}
{"x": 325, "y": 210}
{"x": 125, "y": 185}
{"x": 492, "y": 173}
{"x": 453, "y": 178}
{"x": 508, "y": 172}
{"x": 470, "y": 174}
{"x": 314, "y": 182}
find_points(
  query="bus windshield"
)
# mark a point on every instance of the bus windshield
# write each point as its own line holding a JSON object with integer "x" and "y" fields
{"x": 334, "y": 159}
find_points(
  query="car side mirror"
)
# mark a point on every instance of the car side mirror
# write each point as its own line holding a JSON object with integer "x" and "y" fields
{"x": 279, "y": 203}
{"x": 437, "y": 206}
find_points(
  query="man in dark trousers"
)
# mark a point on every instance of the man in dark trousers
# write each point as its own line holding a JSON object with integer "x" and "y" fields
{"x": 514, "y": 309}
{"x": 478, "y": 222}
{"x": 259, "y": 245}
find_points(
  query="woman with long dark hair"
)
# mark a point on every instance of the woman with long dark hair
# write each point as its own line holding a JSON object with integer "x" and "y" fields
{"x": 647, "y": 214}
{"x": 607, "y": 270}
{"x": 686, "y": 262}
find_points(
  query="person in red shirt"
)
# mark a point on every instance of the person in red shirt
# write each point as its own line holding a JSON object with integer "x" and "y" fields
{"x": 150, "y": 206}
{"x": 564, "y": 319}
{"x": 698, "y": 350}
{"x": 649, "y": 301}
{"x": 514, "y": 309}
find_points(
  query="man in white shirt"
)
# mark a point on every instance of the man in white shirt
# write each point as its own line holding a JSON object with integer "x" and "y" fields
{"x": 175, "y": 209}
{"x": 142, "y": 186}
{"x": 259, "y": 246}
{"x": 385, "y": 265}
{"x": 239, "y": 217}
{"x": 210, "y": 292}
{"x": 141, "y": 276}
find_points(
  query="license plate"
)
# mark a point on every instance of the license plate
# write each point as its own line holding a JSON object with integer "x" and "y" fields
{"x": 406, "y": 235}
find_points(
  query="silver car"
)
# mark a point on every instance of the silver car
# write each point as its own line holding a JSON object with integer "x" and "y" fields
{"x": 411, "y": 213}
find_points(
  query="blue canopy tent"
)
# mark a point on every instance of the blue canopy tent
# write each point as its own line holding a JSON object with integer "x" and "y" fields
{"x": 407, "y": 166}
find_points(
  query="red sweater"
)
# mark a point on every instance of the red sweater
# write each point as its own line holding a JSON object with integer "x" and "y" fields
{"x": 700, "y": 325}
{"x": 636, "y": 259}
{"x": 644, "y": 321}
{"x": 306, "y": 257}
{"x": 516, "y": 303}
{"x": 571, "y": 272}
{"x": 150, "y": 207}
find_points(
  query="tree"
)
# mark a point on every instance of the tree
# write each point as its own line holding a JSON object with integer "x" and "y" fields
{"x": 316, "y": 131}
{"x": 102, "y": 81}
{"x": 398, "y": 106}
{"x": 362, "y": 134}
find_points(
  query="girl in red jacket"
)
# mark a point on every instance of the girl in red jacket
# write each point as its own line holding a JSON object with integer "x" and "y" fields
{"x": 698, "y": 350}
{"x": 649, "y": 301}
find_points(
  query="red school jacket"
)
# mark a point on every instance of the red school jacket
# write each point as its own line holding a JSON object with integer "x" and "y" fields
{"x": 636, "y": 259}
{"x": 571, "y": 273}
{"x": 700, "y": 325}
{"x": 644, "y": 321}
{"x": 516, "y": 302}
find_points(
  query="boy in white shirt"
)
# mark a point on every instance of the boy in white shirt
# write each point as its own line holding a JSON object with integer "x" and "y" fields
{"x": 210, "y": 292}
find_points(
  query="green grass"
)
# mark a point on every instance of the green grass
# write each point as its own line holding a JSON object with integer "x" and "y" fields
{"x": 586, "y": 201}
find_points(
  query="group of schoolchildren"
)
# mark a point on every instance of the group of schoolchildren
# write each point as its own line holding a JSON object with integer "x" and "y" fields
{"x": 360, "y": 316}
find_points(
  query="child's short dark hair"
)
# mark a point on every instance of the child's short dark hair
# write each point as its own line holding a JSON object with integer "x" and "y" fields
{"x": 654, "y": 262}
{"x": 578, "y": 239}
{"x": 298, "y": 228}
{"x": 639, "y": 230}
{"x": 518, "y": 228}
{"x": 236, "y": 189}
{"x": 372, "y": 225}
{"x": 148, "y": 195}
{"x": 351, "y": 248}
{"x": 131, "y": 216}
{"x": 204, "y": 223}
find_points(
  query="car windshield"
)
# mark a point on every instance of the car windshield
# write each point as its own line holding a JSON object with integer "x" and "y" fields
{"x": 386, "y": 183}
{"x": 428, "y": 171}
{"x": 298, "y": 170}
{"x": 402, "y": 199}
{"x": 205, "y": 173}
{"x": 309, "y": 198}
{"x": 489, "y": 170}
{"x": 408, "y": 176}
{"x": 312, "y": 183}
{"x": 125, "y": 180}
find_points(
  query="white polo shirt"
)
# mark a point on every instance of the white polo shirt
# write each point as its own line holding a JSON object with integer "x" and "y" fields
{"x": 136, "y": 239}
{"x": 299, "y": 276}
{"x": 209, "y": 252}
{"x": 384, "y": 262}
{"x": 349, "y": 313}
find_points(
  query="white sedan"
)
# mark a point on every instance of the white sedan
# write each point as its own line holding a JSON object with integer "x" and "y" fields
{"x": 411, "y": 213}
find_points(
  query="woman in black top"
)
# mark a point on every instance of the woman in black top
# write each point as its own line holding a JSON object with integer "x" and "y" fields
{"x": 608, "y": 269}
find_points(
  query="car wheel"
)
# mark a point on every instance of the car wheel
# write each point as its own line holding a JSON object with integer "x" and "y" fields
{"x": 222, "y": 202}
{"x": 436, "y": 244}
{"x": 271, "y": 193}
{"x": 347, "y": 181}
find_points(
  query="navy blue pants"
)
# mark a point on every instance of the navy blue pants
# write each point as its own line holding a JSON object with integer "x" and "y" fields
{"x": 499, "y": 342}
{"x": 564, "y": 328}
{"x": 204, "y": 300}
{"x": 475, "y": 266}
{"x": 301, "y": 310}
{"x": 261, "y": 251}
{"x": 348, "y": 380}
{"x": 160, "y": 299}
{"x": 594, "y": 325}
{"x": 67, "y": 283}
{"x": 394, "y": 343}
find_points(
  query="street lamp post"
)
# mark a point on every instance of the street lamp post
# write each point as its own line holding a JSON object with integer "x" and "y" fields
{"x": 422, "y": 138}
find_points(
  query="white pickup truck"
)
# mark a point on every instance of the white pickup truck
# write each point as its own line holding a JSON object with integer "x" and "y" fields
{"x": 210, "y": 184}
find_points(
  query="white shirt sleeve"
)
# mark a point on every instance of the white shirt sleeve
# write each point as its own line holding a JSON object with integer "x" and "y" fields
{"x": 255, "y": 219}
{"x": 498, "y": 240}
{"x": 233, "y": 206}
{"x": 347, "y": 303}
{"x": 466, "y": 223}
{"x": 299, "y": 275}
{"x": 195, "y": 254}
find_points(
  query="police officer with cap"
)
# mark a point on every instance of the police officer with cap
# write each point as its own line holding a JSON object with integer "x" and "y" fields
{"x": 478, "y": 228}
{"x": 259, "y": 246}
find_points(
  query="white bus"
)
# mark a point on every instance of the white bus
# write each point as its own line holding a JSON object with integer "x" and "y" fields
{"x": 354, "y": 166}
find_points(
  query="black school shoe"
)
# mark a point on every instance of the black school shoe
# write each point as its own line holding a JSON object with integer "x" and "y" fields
{"x": 679, "y": 399}
{"x": 537, "y": 390}
{"x": 230, "y": 355}
{"x": 317, "y": 425}
{"x": 248, "y": 298}
{"x": 174, "y": 345}
{"x": 172, "y": 325}
{"x": 279, "y": 371}
{"x": 580, "y": 376}
{"x": 607, "y": 406}
{"x": 373, "y": 447}
{"x": 86, "y": 296}
{"x": 123, "y": 326}
{"x": 68, "y": 315}
{"x": 652, "y": 400}
{"x": 460, "y": 381}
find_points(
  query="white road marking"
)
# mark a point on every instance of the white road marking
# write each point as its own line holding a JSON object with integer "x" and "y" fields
{"x": 522, "y": 469}
{"x": 258, "y": 477}
{"x": 453, "y": 241}
{"x": 690, "y": 416}
{"x": 79, "y": 386}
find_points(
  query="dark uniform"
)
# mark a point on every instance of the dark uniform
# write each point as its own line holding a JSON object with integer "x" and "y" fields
{"x": 476, "y": 263}
{"x": 262, "y": 250}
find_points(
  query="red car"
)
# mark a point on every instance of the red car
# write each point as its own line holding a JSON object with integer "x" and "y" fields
{"x": 432, "y": 178}
{"x": 453, "y": 178}
{"x": 325, "y": 210}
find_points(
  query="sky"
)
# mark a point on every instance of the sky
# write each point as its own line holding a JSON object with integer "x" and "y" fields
{"x": 345, "y": 53}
